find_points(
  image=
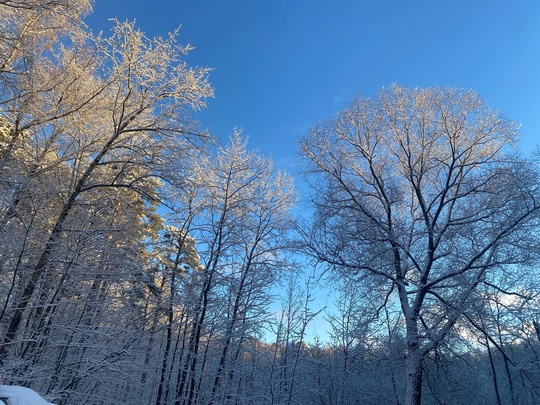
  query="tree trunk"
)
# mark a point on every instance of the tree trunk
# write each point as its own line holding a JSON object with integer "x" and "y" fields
{"x": 165, "y": 360}
{"x": 413, "y": 394}
{"x": 493, "y": 373}
{"x": 40, "y": 267}
{"x": 45, "y": 257}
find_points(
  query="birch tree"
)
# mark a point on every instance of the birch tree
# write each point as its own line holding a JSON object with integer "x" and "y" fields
{"x": 419, "y": 190}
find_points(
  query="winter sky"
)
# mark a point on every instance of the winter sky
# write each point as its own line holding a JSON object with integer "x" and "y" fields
{"x": 281, "y": 65}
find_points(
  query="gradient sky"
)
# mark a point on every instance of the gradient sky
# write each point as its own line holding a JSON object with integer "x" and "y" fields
{"x": 280, "y": 66}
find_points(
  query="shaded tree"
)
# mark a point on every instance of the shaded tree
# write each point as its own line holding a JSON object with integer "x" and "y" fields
{"x": 418, "y": 188}
{"x": 237, "y": 208}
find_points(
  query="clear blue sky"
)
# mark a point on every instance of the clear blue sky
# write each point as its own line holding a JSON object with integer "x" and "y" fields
{"x": 280, "y": 66}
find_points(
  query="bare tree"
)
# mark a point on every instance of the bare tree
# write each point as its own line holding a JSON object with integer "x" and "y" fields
{"x": 418, "y": 189}
{"x": 90, "y": 129}
{"x": 237, "y": 208}
{"x": 112, "y": 128}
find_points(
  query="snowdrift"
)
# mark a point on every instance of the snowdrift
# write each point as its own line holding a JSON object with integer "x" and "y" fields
{"x": 15, "y": 395}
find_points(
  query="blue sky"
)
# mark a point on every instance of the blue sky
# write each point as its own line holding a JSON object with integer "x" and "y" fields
{"x": 280, "y": 66}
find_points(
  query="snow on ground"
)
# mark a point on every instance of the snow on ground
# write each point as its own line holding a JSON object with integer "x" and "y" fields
{"x": 20, "y": 396}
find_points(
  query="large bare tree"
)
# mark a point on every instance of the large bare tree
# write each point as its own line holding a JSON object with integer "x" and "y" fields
{"x": 418, "y": 192}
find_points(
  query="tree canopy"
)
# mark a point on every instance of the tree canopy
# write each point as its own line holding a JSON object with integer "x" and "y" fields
{"x": 145, "y": 261}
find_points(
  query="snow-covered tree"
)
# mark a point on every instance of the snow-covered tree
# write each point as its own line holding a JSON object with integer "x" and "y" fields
{"x": 91, "y": 128}
{"x": 240, "y": 216}
{"x": 419, "y": 190}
